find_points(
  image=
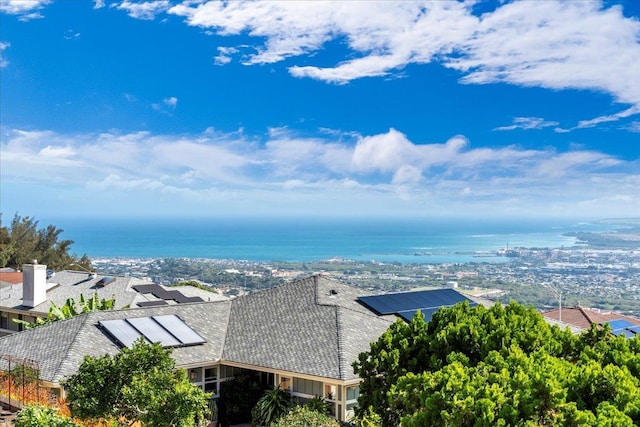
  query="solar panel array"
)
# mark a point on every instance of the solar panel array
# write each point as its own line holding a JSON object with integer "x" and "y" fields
{"x": 405, "y": 304}
{"x": 168, "y": 330}
{"x": 623, "y": 327}
{"x": 159, "y": 292}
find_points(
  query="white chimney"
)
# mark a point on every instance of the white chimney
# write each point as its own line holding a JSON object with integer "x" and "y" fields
{"x": 34, "y": 284}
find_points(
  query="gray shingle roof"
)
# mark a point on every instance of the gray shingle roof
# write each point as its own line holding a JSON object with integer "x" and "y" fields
{"x": 71, "y": 284}
{"x": 60, "y": 347}
{"x": 302, "y": 327}
{"x": 312, "y": 326}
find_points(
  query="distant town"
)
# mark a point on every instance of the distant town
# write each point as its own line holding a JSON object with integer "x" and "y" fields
{"x": 602, "y": 271}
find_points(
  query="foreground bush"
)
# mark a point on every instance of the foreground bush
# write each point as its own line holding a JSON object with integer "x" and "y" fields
{"x": 301, "y": 416}
{"x": 41, "y": 416}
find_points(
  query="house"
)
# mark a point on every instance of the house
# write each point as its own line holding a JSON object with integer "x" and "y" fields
{"x": 580, "y": 318}
{"x": 302, "y": 336}
{"x": 29, "y": 294}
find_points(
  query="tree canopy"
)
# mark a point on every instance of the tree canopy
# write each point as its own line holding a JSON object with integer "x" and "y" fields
{"x": 23, "y": 241}
{"x": 473, "y": 366}
{"x": 137, "y": 384}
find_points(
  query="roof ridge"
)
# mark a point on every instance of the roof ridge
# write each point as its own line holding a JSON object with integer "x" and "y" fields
{"x": 585, "y": 314}
{"x": 342, "y": 362}
{"x": 58, "y": 369}
{"x": 226, "y": 328}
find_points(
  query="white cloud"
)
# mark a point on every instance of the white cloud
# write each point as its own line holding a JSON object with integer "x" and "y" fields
{"x": 171, "y": 102}
{"x": 550, "y": 44}
{"x": 609, "y": 118}
{"x": 147, "y": 10}
{"x": 633, "y": 126}
{"x": 528, "y": 123}
{"x": 225, "y": 55}
{"x": 3, "y": 61}
{"x": 26, "y": 9}
{"x": 99, "y": 4}
{"x": 286, "y": 173}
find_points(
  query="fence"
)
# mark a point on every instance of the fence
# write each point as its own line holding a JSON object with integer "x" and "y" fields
{"x": 20, "y": 383}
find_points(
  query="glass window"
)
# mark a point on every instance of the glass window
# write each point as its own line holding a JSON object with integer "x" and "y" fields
{"x": 285, "y": 383}
{"x": 329, "y": 392}
{"x": 195, "y": 375}
{"x": 210, "y": 374}
{"x": 353, "y": 393}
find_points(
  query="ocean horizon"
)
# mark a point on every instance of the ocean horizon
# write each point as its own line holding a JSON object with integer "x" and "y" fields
{"x": 299, "y": 240}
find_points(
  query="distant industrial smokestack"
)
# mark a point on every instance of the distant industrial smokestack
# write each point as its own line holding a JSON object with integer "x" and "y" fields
{"x": 34, "y": 284}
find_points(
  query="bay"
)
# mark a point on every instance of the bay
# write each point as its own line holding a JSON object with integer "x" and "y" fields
{"x": 304, "y": 240}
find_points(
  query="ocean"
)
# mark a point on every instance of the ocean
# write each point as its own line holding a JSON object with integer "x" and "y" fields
{"x": 405, "y": 241}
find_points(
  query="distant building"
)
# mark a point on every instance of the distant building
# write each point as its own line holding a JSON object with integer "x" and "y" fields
{"x": 302, "y": 336}
{"x": 29, "y": 294}
{"x": 581, "y": 318}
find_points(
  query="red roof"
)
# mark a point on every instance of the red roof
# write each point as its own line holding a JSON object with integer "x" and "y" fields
{"x": 12, "y": 277}
{"x": 584, "y": 317}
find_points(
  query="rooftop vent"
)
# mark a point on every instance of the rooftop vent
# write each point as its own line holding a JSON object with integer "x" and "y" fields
{"x": 333, "y": 292}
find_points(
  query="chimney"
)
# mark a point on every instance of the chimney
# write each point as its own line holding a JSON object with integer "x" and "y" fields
{"x": 34, "y": 284}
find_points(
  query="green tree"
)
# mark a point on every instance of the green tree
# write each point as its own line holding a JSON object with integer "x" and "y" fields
{"x": 23, "y": 241}
{"x": 473, "y": 366}
{"x": 137, "y": 384}
{"x": 303, "y": 416}
{"x": 272, "y": 406}
{"x": 41, "y": 416}
{"x": 70, "y": 309}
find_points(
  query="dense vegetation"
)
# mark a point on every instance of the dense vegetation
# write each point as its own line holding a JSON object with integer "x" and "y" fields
{"x": 473, "y": 366}
{"x": 70, "y": 309}
{"x": 137, "y": 384}
{"x": 22, "y": 241}
{"x": 42, "y": 416}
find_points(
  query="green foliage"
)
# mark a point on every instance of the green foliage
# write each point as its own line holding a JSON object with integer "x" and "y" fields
{"x": 318, "y": 404}
{"x": 23, "y": 374}
{"x": 22, "y": 242}
{"x": 70, "y": 309}
{"x": 272, "y": 406}
{"x": 193, "y": 283}
{"x": 41, "y": 416}
{"x": 238, "y": 396}
{"x": 303, "y": 416}
{"x": 367, "y": 418}
{"x": 140, "y": 383}
{"x": 472, "y": 366}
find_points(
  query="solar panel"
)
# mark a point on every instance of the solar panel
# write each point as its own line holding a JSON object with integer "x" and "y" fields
{"x": 151, "y": 303}
{"x": 106, "y": 280}
{"x": 626, "y": 333}
{"x": 427, "y": 312}
{"x": 405, "y": 304}
{"x": 635, "y": 329}
{"x": 153, "y": 331}
{"x": 179, "y": 329}
{"x": 121, "y": 331}
{"x": 620, "y": 324}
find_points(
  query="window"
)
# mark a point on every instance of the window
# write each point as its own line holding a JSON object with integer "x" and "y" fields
{"x": 308, "y": 387}
{"x": 285, "y": 383}
{"x": 211, "y": 380}
{"x": 4, "y": 320}
{"x": 195, "y": 375}
{"x": 352, "y": 397}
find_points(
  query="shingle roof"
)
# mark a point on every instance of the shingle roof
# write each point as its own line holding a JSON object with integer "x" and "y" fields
{"x": 71, "y": 284}
{"x": 302, "y": 327}
{"x": 312, "y": 326}
{"x": 60, "y": 347}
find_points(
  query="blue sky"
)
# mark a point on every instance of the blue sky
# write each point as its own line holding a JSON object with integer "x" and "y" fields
{"x": 382, "y": 108}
